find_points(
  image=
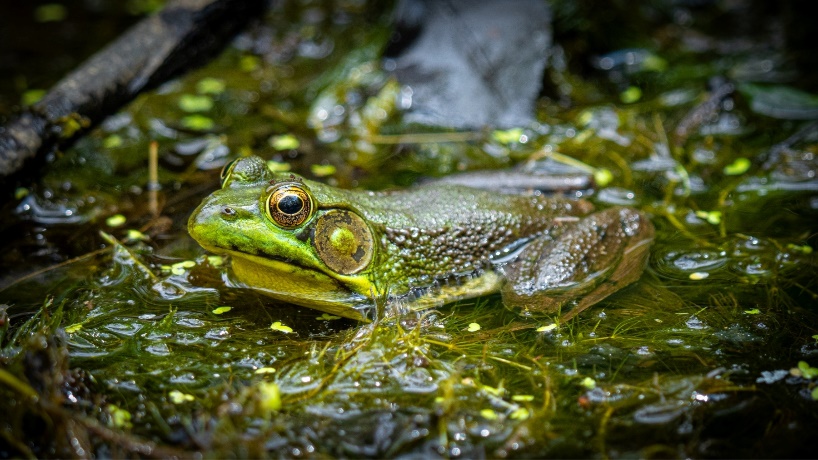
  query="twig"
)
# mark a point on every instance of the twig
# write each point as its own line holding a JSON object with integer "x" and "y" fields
{"x": 157, "y": 48}
{"x": 54, "y": 267}
{"x": 153, "y": 178}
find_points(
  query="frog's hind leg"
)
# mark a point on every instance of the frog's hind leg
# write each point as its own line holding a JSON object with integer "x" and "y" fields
{"x": 572, "y": 268}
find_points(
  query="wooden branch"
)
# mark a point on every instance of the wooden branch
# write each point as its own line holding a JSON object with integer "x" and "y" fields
{"x": 184, "y": 34}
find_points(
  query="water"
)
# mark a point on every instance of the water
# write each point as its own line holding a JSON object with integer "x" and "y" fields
{"x": 694, "y": 360}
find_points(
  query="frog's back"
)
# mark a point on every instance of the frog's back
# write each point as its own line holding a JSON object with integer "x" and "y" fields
{"x": 433, "y": 232}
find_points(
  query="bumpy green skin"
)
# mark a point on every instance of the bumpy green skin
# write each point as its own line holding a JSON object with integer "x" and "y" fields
{"x": 423, "y": 237}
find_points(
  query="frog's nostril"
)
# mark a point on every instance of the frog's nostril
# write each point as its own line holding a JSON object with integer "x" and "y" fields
{"x": 228, "y": 212}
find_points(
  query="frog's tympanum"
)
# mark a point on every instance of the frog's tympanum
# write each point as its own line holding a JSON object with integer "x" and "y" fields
{"x": 336, "y": 250}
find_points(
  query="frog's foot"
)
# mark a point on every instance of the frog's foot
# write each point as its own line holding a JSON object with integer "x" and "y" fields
{"x": 569, "y": 270}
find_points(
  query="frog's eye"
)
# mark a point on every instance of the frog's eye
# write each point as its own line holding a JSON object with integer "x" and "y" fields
{"x": 226, "y": 170}
{"x": 289, "y": 206}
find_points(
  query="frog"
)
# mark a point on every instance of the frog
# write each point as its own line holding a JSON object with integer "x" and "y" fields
{"x": 345, "y": 251}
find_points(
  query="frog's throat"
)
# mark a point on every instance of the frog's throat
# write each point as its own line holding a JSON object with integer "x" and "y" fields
{"x": 332, "y": 293}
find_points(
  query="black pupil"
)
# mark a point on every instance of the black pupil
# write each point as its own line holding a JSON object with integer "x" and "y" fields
{"x": 290, "y": 204}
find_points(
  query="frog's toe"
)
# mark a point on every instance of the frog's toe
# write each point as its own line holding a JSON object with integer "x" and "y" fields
{"x": 577, "y": 268}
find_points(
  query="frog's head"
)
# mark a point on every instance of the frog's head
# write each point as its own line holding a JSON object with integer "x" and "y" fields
{"x": 286, "y": 241}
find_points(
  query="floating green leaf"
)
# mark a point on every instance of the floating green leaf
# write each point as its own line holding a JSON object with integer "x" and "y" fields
{"x": 135, "y": 235}
{"x": 779, "y": 101}
{"x": 806, "y": 371}
{"x": 32, "y": 96}
{"x": 177, "y": 397}
{"x": 738, "y": 167}
{"x": 488, "y": 414}
{"x": 117, "y": 220}
{"x": 630, "y": 95}
{"x": 585, "y": 117}
{"x": 269, "y": 396}
{"x": 473, "y": 327}
{"x": 322, "y": 170}
{"x": 72, "y": 123}
{"x": 803, "y": 249}
{"x": 507, "y": 136}
{"x": 113, "y": 141}
{"x": 180, "y": 268}
{"x": 494, "y": 391}
{"x": 654, "y": 63}
{"x": 278, "y": 166}
{"x": 210, "y": 86}
{"x": 221, "y": 310}
{"x": 249, "y": 63}
{"x": 277, "y": 326}
{"x": 195, "y": 103}
{"x": 120, "y": 418}
{"x": 197, "y": 122}
{"x": 588, "y": 383}
{"x": 284, "y": 142}
{"x": 712, "y": 217}
{"x": 603, "y": 177}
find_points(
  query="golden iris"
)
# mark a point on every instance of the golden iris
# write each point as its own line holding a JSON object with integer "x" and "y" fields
{"x": 289, "y": 206}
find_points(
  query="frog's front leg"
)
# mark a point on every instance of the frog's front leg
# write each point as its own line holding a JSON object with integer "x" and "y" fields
{"x": 578, "y": 264}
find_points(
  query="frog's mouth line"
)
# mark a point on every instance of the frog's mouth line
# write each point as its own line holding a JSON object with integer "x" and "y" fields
{"x": 353, "y": 285}
{"x": 296, "y": 284}
{"x": 265, "y": 260}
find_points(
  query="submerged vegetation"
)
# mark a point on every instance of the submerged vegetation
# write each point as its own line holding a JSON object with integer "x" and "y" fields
{"x": 119, "y": 336}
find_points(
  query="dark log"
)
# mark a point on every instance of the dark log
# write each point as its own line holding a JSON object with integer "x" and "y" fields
{"x": 181, "y": 36}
